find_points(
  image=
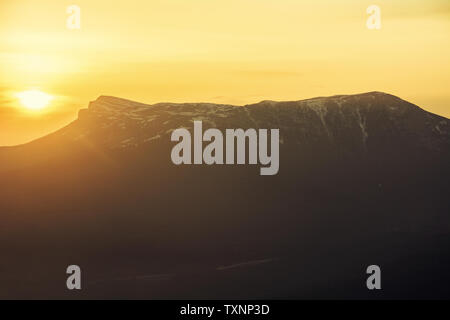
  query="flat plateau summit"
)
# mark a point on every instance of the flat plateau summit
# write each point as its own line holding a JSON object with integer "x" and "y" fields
{"x": 360, "y": 120}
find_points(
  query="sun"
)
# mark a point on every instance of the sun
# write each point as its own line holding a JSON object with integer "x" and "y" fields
{"x": 34, "y": 99}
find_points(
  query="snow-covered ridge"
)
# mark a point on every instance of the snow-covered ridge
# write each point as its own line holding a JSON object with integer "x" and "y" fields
{"x": 107, "y": 103}
{"x": 114, "y": 108}
{"x": 357, "y": 119}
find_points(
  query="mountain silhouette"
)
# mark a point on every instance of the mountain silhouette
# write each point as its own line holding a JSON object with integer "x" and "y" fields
{"x": 363, "y": 179}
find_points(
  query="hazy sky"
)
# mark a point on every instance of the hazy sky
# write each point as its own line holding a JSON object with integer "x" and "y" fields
{"x": 233, "y": 51}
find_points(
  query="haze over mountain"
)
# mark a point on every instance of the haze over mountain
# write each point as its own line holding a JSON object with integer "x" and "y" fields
{"x": 363, "y": 179}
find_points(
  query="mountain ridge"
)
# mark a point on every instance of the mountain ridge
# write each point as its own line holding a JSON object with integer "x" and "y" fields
{"x": 331, "y": 114}
{"x": 363, "y": 122}
{"x": 118, "y": 105}
{"x": 110, "y": 98}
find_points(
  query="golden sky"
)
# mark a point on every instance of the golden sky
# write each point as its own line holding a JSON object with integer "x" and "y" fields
{"x": 233, "y": 51}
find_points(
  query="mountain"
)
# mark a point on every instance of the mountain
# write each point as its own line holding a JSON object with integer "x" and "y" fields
{"x": 363, "y": 179}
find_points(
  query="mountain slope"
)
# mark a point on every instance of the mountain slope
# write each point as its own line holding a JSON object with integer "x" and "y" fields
{"x": 328, "y": 118}
{"x": 372, "y": 122}
{"x": 363, "y": 179}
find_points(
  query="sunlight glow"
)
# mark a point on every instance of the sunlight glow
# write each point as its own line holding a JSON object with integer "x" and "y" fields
{"x": 34, "y": 99}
